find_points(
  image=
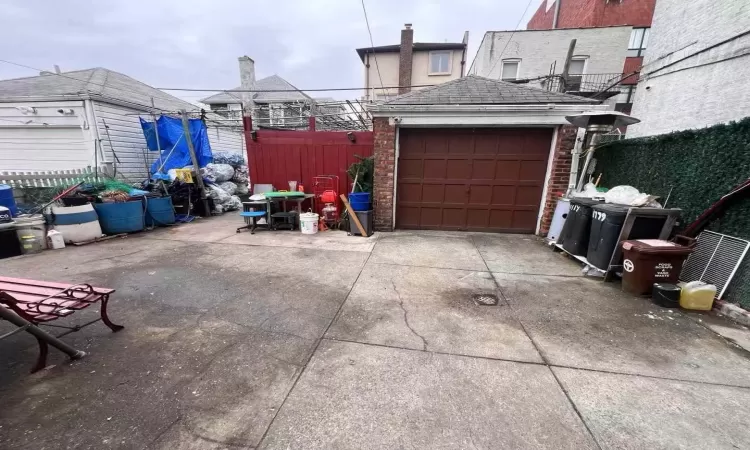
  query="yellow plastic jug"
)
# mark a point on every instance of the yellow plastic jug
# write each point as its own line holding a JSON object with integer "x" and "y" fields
{"x": 697, "y": 295}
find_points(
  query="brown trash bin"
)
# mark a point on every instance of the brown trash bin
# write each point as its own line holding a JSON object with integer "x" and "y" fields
{"x": 649, "y": 261}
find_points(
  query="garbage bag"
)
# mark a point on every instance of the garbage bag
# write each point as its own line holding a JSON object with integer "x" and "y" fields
{"x": 208, "y": 174}
{"x": 233, "y": 159}
{"x": 621, "y": 195}
{"x": 242, "y": 189}
{"x": 241, "y": 175}
{"x": 233, "y": 204}
{"x": 222, "y": 172}
{"x": 229, "y": 187}
{"x": 589, "y": 191}
{"x": 219, "y": 195}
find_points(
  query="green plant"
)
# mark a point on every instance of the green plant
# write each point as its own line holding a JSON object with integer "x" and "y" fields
{"x": 363, "y": 171}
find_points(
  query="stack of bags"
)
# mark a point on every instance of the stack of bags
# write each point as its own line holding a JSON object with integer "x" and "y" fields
{"x": 227, "y": 178}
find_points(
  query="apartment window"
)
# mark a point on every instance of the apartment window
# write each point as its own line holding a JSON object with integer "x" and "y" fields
{"x": 638, "y": 41}
{"x": 510, "y": 69}
{"x": 575, "y": 73}
{"x": 440, "y": 63}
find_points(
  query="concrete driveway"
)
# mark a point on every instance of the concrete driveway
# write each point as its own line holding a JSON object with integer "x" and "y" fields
{"x": 279, "y": 340}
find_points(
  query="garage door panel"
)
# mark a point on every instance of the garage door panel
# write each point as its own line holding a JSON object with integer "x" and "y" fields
{"x": 482, "y": 169}
{"x": 458, "y": 169}
{"x": 455, "y": 193}
{"x": 528, "y": 195}
{"x": 532, "y": 170}
{"x": 480, "y": 195}
{"x": 503, "y": 195}
{"x": 471, "y": 179}
{"x": 410, "y": 192}
{"x": 434, "y": 168}
{"x": 410, "y": 168}
{"x": 507, "y": 170}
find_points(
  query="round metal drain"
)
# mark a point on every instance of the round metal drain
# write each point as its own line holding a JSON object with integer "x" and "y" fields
{"x": 485, "y": 299}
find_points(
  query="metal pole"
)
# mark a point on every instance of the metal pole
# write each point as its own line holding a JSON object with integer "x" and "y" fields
{"x": 566, "y": 67}
{"x": 156, "y": 132}
{"x": 34, "y": 330}
{"x": 191, "y": 149}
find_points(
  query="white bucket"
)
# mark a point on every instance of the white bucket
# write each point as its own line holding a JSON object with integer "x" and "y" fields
{"x": 76, "y": 223}
{"x": 32, "y": 233}
{"x": 308, "y": 223}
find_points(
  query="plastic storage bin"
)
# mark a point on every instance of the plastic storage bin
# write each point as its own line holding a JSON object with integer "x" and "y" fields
{"x": 116, "y": 218}
{"x": 360, "y": 201}
{"x": 577, "y": 226}
{"x": 365, "y": 218}
{"x": 698, "y": 295}
{"x": 648, "y": 261}
{"x": 159, "y": 211}
{"x": 606, "y": 224}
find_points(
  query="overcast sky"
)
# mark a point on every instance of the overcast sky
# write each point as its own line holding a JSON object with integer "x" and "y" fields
{"x": 195, "y": 44}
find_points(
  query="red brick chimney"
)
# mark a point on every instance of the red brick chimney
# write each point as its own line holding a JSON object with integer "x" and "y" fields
{"x": 404, "y": 59}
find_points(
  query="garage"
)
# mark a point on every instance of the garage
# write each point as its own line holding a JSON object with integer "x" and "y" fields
{"x": 473, "y": 154}
{"x": 473, "y": 179}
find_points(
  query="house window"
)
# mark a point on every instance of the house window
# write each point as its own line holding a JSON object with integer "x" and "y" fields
{"x": 575, "y": 73}
{"x": 440, "y": 63}
{"x": 638, "y": 41}
{"x": 510, "y": 69}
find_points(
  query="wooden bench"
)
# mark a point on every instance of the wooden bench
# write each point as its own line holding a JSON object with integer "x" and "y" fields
{"x": 29, "y": 303}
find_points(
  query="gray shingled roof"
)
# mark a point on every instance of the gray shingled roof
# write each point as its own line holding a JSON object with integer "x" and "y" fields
{"x": 96, "y": 82}
{"x": 272, "y": 83}
{"x": 474, "y": 90}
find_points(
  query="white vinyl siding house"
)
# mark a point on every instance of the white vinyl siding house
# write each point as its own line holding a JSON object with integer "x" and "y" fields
{"x": 86, "y": 118}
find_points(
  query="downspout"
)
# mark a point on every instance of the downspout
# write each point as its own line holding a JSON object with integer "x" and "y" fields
{"x": 574, "y": 164}
{"x": 367, "y": 76}
{"x": 556, "y": 17}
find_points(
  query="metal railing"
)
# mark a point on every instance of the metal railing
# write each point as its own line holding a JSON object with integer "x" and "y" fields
{"x": 594, "y": 82}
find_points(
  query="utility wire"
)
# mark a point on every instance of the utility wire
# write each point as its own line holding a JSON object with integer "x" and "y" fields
{"x": 372, "y": 43}
{"x": 500, "y": 58}
{"x": 293, "y": 90}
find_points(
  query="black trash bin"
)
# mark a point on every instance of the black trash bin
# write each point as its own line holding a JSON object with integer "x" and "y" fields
{"x": 606, "y": 224}
{"x": 578, "y": 226}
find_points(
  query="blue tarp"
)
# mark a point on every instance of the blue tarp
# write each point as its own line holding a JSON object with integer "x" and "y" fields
{"x": 174, "y": 148}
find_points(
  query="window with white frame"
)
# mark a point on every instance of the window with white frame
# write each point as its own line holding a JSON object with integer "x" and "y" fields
{"x": 575, "y": 72}
{"x": 510, "y": 69}
{"x": 440, "y": 63}
{"x": 638, "y": 41}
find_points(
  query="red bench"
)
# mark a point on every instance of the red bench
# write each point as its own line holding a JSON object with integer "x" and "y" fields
{"x": 29, "y": 303}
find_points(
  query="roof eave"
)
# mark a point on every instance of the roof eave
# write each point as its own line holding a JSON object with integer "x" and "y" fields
{"x": 386, "y": 110}
{"x": 44, "y": 98}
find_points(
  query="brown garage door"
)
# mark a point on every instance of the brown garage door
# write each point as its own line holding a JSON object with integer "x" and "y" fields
{"x": 481, "y": 179}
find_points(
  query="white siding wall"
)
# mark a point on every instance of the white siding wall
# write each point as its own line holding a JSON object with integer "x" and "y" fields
{"x": 606, "y": 49}
{"x": 684, "y": 87}
{"x": 46, "y": 139}
{"x": 129, "y": 143}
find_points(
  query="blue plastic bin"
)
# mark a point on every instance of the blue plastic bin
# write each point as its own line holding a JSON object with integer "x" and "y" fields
{"x": 7, "y": 200}
{"x": 116, "y": 218}
{"x": 160, "y": 212}
{"x": 360, "y": 201}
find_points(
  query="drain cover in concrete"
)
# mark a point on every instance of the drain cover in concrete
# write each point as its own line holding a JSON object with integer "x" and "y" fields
{"x": 485, "y": 299}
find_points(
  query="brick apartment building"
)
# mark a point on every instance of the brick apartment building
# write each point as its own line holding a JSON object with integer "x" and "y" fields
{"x": 638, "y": 14}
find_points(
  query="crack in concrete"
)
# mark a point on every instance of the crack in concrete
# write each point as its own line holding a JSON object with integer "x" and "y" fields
{"x": 406, "y": 318}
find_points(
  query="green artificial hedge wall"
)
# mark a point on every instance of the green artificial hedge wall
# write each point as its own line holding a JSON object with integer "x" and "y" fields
{"x": 699, "y": 167}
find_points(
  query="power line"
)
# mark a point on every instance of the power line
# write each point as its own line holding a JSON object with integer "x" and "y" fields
{"x": 500, "y": 58}
{"x": 372, "y": 43}
{"x": 294, "y": 90}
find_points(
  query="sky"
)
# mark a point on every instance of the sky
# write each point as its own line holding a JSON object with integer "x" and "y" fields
{"x": 195, "y": 44}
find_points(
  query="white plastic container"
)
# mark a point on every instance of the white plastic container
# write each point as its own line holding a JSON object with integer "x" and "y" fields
{"x": 32, "y": 233}
{"x": 697, "y": 295}
{"x": 55, "y": 239}
{"x": 308, "y": 223}
{"x": 76, "y": 223}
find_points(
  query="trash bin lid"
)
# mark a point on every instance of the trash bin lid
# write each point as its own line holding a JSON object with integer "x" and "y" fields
{"x": 585, "y": 201}
{"x": 612, "y": 210}
{"x": 656, "y": 246}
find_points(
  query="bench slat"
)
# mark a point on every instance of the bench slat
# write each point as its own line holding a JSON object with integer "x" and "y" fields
{"x": 48, "y": 284}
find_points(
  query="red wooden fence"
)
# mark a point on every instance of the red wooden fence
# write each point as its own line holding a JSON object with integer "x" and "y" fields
{"x": 277, "y": 157}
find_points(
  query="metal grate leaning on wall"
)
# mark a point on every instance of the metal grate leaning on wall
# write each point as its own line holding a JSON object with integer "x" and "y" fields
{"x": 715, "y": 260}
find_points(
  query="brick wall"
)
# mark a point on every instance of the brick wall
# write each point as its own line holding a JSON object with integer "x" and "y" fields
{"x": 594, "y": 13}
{"x": 559, "y": 178}
{"x": 405, "y": 59}
{"x": 385, "y": 161}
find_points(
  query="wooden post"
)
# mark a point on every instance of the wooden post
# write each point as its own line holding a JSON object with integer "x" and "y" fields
{"x": 156, "y": 132}
{"x": 353, "y": 216}
{"x": 191, "y": 149}
{"x": 566, "y": 67}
